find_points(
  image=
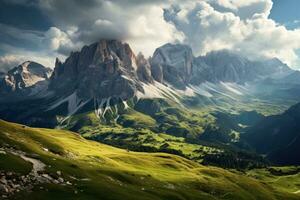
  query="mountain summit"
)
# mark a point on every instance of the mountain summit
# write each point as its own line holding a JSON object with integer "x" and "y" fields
{"x": 25, "y": 76}
{"x": 104, "y": 69}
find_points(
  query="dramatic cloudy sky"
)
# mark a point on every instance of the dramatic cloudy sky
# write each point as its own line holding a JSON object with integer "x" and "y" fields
{"x": 41, "y": 30}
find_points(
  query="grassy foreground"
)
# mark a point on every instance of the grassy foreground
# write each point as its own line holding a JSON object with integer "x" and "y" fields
{"x": 98, "y": 171}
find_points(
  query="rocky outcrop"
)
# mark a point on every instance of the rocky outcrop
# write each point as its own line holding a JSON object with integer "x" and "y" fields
{"x": 12, "y": 182}
{"x": 144, "y": 69}
{"x": 176, "y": 65}
{"x": 227, "y": 66}
{"x": 157, "y": 72}
{"x": 173, "y": 63}
{"x": 24, "y": 76}
{"x": 104, "y": 69}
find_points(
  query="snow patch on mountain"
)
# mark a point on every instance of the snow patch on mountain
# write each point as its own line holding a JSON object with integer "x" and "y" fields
{"x": 74, "y": 103}
{"x": 227, "y": 89}
{"x": 201, "y": 91}
{"x": 125, "y": 105}
{"x": 157, "y": 90}
{"x": 231, "y": 87}
{"x": 102, "y": 106}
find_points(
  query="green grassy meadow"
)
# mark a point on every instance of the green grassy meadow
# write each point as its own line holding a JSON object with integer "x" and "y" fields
{"x": 99, "y": 171}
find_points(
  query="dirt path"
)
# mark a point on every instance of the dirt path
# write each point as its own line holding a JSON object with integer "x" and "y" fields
{"x": 37, "y": 166}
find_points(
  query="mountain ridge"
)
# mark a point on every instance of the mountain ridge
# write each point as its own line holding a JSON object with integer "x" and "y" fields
{"x": 105, "y": 76}
{"x": 172, "y": 64}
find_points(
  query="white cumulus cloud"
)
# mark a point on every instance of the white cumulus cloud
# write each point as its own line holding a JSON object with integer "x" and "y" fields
{"x": 141, "y": 23}
{"x": 242, "y": 26}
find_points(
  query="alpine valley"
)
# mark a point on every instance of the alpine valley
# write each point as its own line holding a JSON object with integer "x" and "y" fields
{"x": 108, "y": 123}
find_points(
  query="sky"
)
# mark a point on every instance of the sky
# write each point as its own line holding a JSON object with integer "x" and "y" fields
{"x": 41, "y": 30}
{"x": 286, "y": 12}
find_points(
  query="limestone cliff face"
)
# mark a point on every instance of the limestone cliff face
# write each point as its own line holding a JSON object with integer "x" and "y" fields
{"x": 173, "y": 63}
{"x": 144, "y": 69}
{"x": 108, "y": 68}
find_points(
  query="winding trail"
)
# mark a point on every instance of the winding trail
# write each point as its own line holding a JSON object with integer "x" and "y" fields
{"x": 37, "y": 165}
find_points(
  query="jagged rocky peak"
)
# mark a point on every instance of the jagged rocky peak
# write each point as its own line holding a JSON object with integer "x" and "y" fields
{"x": 24, "y": 76}
{"x": 274, "y": 65}
{"x": 227, "y": 66}
{"x": 176, "y": 65}
{"x": 104, "y": 69}
{"x": 144, "y": 69}
{"x": 113, "y": 53}
{"x": 173, "y": 63}
{"x": 175, "y": 55}
{"x": 224, "y": 58}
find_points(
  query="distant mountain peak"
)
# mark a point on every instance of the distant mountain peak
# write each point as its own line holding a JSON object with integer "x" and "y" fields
{"x": 24, "y": 76}
{"x": 176, "y": 64}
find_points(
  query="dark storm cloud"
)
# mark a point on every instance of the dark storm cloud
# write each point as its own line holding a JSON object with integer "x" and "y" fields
{"x": 70, "y": 12}
{"x": 23, "y": 14}
{"x": 55, "y": 27}
{"x": 22, "y": 27}
{"x": 16, "y": 37}
{"x": 43, "y": 29}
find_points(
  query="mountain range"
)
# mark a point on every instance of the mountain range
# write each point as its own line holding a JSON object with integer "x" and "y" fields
{"x": 115, "y": 65}
{"x": 221, "y": 109}
{"x": 107, "y": 84}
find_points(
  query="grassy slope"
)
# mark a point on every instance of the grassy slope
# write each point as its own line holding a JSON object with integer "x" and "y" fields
{"x": 285, "y": 179}
{"x": 105, "y": 172}
{"x": 16, "y": 163}
{"x": 158, "y": 125}
{"x": 167, "y": 128}
{"x": 147, "y": 141}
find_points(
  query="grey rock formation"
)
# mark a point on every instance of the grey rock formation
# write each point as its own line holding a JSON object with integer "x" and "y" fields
{"x": 157, "y": 72}
{"x": 227, "y": 66}
{"x": 176, "y": 65}
{"x": 23, "y": 77}
{"x": 104, "y": 69}
{"x": 144, "y": 69}
{"x": 291, "y": 78}
{"x": 173, "y": 63}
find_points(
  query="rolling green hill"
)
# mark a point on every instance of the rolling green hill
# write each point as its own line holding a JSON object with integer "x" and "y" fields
{"x": 56, "y": 164}
{"x": 159, "y": 125}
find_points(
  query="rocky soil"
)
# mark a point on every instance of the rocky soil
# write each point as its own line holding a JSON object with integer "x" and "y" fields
{"x": 12, "y": 182}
